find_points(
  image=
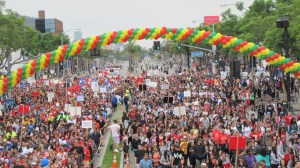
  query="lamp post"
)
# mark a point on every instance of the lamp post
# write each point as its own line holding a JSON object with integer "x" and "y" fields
{"x": 283, "y": 22}
{"x": 62, "y": 43}
{"x": 214, "y": 47}
{"x": 237, "y": 4}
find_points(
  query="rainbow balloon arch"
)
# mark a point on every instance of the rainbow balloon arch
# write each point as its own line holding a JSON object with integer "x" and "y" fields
{"x": 176, "y": 34}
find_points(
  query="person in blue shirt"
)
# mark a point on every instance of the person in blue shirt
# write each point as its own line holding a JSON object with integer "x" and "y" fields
{"x": 30, "y": 126}
{"x": 146, "y": 162}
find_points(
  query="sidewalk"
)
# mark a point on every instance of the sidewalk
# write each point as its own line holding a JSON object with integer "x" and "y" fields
{"x": 106, "y": 155}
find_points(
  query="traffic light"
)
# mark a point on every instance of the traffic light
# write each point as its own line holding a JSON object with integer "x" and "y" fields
{"x": 179, "y": 46}
{"x": 61, "y": 65}
{"x": 156, "y": 45}
{"x": 95, "y": 52}
{"x": 216, "y": 58}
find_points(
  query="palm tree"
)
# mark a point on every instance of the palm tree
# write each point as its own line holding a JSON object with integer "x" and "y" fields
{"x": 133, "y": 50}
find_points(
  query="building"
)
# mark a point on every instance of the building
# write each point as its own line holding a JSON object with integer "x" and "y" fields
{"x": 48, "y": 25}
{"x": 77, "y": 35}
{"x": 41, "y": 24}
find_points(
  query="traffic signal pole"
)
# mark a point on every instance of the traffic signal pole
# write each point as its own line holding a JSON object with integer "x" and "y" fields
{"x": 188, "y": 57}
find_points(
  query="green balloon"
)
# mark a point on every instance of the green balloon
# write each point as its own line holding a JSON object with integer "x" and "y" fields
{"x": 169, "y": 29}
{"x": 152, "y": 30}
{"x": 263, "y": 57}
{"x": 53, "y": 53}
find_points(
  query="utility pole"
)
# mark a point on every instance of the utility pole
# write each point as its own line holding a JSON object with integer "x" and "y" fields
{"x": 188, "y": 57}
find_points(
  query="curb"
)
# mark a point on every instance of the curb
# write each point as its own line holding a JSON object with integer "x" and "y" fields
{"x": 122, "y": 160}
{"x": 102, "y": 152}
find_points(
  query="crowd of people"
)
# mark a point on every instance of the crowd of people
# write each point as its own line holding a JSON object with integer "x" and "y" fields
{"x": 214, "y": 109}
{"x": 38, "y": 129}
{"x": 179, "y": 120}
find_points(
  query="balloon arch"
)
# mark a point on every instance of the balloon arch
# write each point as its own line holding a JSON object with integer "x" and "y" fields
{"x": 176, "y": 34}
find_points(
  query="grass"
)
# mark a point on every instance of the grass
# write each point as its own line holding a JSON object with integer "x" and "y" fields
{"x": 109, "y": 154}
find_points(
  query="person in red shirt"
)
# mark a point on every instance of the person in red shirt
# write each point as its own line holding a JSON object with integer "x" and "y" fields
{"x": 87, "y": 155}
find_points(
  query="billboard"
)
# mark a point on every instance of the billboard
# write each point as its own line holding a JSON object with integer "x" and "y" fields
{"x": 208, "y": 20}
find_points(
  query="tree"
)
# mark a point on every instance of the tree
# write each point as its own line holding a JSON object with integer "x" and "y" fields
{"x": 14, "y": 36}
{"x": 132, "y": 50}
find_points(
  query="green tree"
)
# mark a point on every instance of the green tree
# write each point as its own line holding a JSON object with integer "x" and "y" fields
{"x": 132, "y": 50}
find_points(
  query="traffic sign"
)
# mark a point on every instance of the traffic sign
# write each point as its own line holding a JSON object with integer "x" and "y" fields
{"x": 197, "y": 54}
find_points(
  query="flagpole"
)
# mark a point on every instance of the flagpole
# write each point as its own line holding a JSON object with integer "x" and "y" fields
{"x": 237, "y": 151}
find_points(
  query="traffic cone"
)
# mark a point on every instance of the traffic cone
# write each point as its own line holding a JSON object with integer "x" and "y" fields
{"x": 127, "y": 162}
{"x": 114, "y": 163}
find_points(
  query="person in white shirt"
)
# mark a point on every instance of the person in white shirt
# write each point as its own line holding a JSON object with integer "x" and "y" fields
{"x": 115, "y": 129}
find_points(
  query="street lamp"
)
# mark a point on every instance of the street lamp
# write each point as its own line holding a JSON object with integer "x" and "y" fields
{"x": 238, "y": 5}
{"x": 283, "y": 22}
{"x": 62, "y": 43}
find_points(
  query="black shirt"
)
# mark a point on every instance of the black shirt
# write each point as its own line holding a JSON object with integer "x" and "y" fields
{"x": 139, "y": 154}
{"x": 177, "y": 154}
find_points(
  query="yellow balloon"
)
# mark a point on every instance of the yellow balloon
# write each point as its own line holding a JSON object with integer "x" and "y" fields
{"x": 2, "y": 77}
{"x": 43, "y": 56}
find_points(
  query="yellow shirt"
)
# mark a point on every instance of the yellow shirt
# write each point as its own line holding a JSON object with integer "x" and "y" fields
{"x": 184, "y": 146}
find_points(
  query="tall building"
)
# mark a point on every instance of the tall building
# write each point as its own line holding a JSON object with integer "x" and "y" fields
{"x": 77, "y": 35}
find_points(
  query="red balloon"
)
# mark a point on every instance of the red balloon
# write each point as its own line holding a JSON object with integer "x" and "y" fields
{"x": 48, "y": 54}
{"x": 98, "y": 37}
{"x": 276, "y": 55}
{"x": 130, "y": 31}
{"x": 5, "y": 80}
{"x": 19, "y": 80}
{"x": 32, "y": 71}
{"x": 283, "y": 66}
{"x": 174, "y": 30}
{"x": 33, "y": 64}
{"x": 61, "y": 57}
{"x": 4, "y": 84}
{"x": 147, "y": 30}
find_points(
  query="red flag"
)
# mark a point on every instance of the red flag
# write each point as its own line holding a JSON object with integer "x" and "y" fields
{"x": 23, "y": 109}
{"x": 35, "y": 93}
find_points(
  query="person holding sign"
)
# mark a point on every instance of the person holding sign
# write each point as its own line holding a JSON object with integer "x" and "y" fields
{"x": 115, "y": 130}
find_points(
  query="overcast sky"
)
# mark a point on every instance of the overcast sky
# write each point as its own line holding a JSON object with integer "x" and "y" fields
{"x": 99, "y": 16}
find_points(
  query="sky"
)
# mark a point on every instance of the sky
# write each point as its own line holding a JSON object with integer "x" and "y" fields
{"x": 95, "y": 17}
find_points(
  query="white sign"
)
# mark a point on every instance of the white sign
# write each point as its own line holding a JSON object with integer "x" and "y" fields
{"x": 80, "y": 98}
{"x": 75, "y": 111}
{"x": 67, "y": 107}
{"x": 87, "y": 124}
{"x": 45, "y": 77}
{"x": 187, "y": 93}
{"x": 164, "y": 87}
{"x": 31, "y": 80}
{"x": 50, "y": 96}
{"x": 95, "y": 86}
{"x": 103, "y": 90}
{"x": 153, "y": 84}
{"x": 223, "y": 75}
{"x": 156, "y": 72}
{"x": 47, "y": 82}
{"x": 179, "y": 111}
{"x": 148, "y": 82}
